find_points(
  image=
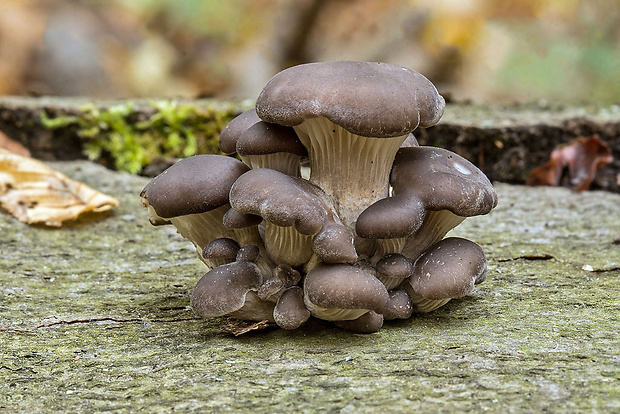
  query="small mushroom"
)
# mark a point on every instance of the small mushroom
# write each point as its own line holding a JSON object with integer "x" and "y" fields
{"x": 296, "y": 213}
{"x": 370, "y": 322}
{"x": 231, "y": 132}
{"x": 343, "y": 292}
{"x": 290, "y": 311}
{"x": 399, "y": 306}
{"x": 193, "y": 196}
{"x": 352, "y": 117}
{"x": 447, "y": 270}
{"x": 274, "y": 146}
{"x": 220, "y": 251}
{"x": 392, "y": 269}
{"x": 231, "y": 290}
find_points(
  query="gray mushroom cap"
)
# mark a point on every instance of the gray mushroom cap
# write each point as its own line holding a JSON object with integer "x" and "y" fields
{"x": 222, "y": 250}
{"x": 231, "y": 132}
{"x": 368, "y": 323}
{"x": 423, "y": 179}
{"x": 290, "y": 311}
{"x": 223, "y": 290}
{"x": 193, "y": 185}
{"x": 279, "y": 199}
{"x": 264, "y": 138}
{"x": 448, "y": 269}
{"x": 370, "y": 99}
{"x": 443, "y": 180}
{"x": 341, "y": 286}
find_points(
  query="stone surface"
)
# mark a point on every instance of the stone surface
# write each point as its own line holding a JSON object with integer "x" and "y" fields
{"x": 95, "y": 317}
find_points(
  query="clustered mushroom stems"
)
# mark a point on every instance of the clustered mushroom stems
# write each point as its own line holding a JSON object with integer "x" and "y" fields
{"x": 359, "y": 240}
{"x": 352, "y": 169}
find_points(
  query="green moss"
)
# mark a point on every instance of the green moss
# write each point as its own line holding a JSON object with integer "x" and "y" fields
{"x": 172, "y": 130}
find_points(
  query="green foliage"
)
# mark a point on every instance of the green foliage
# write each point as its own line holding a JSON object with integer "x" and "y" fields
{"x": 173, "y": 130}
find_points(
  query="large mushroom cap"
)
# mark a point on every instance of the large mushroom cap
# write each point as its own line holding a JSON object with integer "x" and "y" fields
{"x": 443, "y": 180}
{"x": 366, "y": 98}
{"x": 193, "y": 185}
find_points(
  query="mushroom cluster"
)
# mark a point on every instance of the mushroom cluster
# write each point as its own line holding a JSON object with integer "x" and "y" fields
{"x": 356, "y": 238}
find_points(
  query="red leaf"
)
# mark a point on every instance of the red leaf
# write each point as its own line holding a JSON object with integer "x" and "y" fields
{"x": 581, "y": 159}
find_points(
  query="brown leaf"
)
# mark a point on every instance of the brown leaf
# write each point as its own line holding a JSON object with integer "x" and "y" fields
{"x": 238, "y": 327}
{"x": 13, "y": 146}
{"x": 580, "y": 160}
{"x": 35, "y": 193}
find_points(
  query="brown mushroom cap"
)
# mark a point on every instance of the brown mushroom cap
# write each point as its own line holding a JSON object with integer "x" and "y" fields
{"x": 290, "y": 311}
{"x": 448, "y": 269}
{"x": 399, "y": 306}
{"x": 366, "y": 98}
{"x": 193, "y": 185}
{"x": 223, "y": 290}
{"x": 264, "y": 138}
{"x": 220, "y": 251}
{"x": 443, "y": 180}
{"x": 342, "y": 286}
{"x": 279, "y": 199}
{"x": 368, "y": 323}
{"x": 231, "y": 132}
{"x": 423, "y": 179}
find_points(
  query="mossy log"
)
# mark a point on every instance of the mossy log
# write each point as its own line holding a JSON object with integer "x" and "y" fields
{"x": 95, "y": 316}
{"x": 506, "y": 142}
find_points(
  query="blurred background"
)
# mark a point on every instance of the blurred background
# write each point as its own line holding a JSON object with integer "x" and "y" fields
{"x": 480, "y": 50}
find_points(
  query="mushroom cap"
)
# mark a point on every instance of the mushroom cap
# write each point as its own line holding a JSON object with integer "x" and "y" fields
{"x": 222, "y": 248}
{"x": 264, "y": 138}
{"x": 231, "y": 132}
{"x": 341, "y": 286}
{"x": 193, "y": 185}
{"x": 290, "y": 311}
{"x": 391, "y": 217}
{"x": 368, "y": 323}
{"x": 280, "y": 199}
{"x": 235, "y": 220}
{"x": 448, "y": 269}
{"x": 370, "y": 99}
{"x": 443, "y": 180}
{"x": 223, "y": 290}
{"x": 395, "y": 265}
{"x": 399, "y": 306}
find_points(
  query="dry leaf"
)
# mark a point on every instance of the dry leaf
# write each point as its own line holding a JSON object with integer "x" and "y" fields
{"x": 13, "y": 146}
{"x": 35, "y": 193}
{"x": 579, "y": 160}
{"x": 238, "y": 327}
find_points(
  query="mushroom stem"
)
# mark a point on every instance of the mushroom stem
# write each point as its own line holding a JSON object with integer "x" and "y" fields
{"x": 352, "y": 169}
{"x": 201, "y": 228}
{"x": 420, "y": 304}
{"x": 288, "y": 164}
{"x": 285, "y": 245}
{"x": 436, "y": 225}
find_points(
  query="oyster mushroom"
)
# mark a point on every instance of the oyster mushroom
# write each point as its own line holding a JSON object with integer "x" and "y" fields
{"x": 299, "y": 221}
{"x": 340, "y": 292}
{"x": 233, "y": 130}
{"x": 447, "y": 270}
{"x": 352, "y": 117}
{"x": 290, "y": 311}
{"x": 230, "y": 290}
{"x": 274, "y": 146}
{"x": 192, "y": 195}
{"x": 370, "y": 322}
{"x": 434, "y": 190}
